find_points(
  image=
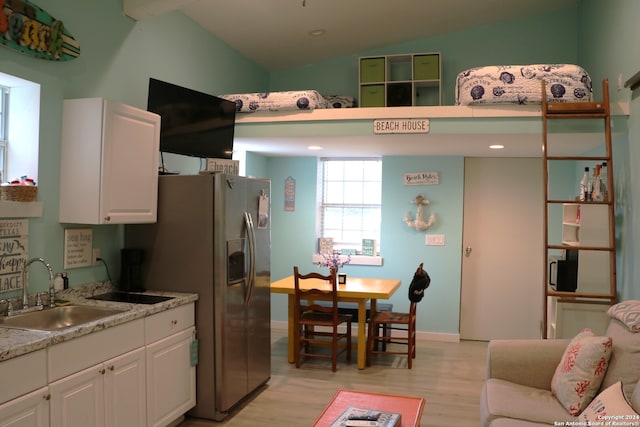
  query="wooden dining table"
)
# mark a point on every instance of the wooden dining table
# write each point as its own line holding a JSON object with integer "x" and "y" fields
{"x": 356, "y": 289}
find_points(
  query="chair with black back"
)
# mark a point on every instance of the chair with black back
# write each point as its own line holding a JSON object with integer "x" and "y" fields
{"x": 316, "y": 326}
{"x": 402, "y": 326}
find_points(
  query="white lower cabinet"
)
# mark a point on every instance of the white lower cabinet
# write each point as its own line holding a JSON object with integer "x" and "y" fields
{"x": 136, "y": 374}
{"x": 30, "y": 410}
{"x": 108, "y": 394}
{"x": 171, "y": 379}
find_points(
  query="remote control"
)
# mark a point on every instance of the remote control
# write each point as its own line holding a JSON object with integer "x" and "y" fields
{"x": 372, "y": 416}
{"x": 361, "y": 423}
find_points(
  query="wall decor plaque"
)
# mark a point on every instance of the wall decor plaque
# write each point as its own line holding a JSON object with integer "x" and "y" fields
{"x": 29, "y": 29}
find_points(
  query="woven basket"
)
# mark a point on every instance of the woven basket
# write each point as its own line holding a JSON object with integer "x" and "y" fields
{"x": 18, "y": 193}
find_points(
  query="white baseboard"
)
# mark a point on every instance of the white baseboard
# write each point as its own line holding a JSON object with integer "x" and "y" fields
{"x": 427, "y": 336}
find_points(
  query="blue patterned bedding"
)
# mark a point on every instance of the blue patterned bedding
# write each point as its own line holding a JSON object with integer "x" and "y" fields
{"x": 285, "y": 101}
{"x": 520, "y": 84}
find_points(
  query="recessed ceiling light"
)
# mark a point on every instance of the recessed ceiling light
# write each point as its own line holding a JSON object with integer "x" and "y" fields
{"x": 314, "y": 147}
{"x": 496, "y": 147}
{"x": 317, "y": 33}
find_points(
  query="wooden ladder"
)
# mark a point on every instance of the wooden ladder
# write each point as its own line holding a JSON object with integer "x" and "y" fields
{"x": 578, "y": 110}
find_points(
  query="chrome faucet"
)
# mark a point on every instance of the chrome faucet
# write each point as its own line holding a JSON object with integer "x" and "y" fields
{"x": 25, "y": 294}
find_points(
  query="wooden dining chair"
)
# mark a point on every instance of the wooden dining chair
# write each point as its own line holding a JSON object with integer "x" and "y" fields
{"x": 402, "y": 326}
{"x": 317, "y": 325}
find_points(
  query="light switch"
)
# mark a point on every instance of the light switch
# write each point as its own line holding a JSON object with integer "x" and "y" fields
{"x": 434, "y": 240}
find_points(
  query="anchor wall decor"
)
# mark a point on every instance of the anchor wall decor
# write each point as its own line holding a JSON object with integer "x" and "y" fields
{"x": 419, "y": 223}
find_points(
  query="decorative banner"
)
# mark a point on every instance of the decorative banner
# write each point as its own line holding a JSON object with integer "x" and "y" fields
{"x": 29, "y": 29}
{"x": 383, "y": 126}
{"x": 289, "y": 194}
{"x": 14, "y": 250}
{"x": 78, "y": 247}
{"x": 422, "y": 178}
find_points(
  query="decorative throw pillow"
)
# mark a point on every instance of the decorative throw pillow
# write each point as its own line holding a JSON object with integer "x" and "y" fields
{"x": 610, "y": 405}
{"x": 628, "y": 312}
{"x": 582, "y": 367}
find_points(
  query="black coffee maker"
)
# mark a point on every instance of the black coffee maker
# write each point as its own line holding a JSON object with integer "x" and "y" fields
{"x": 131, "y": 270}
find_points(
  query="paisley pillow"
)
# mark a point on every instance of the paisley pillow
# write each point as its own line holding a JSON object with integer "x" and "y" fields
{"x": 628, "y": 312}
{"x": 581, "y": 370}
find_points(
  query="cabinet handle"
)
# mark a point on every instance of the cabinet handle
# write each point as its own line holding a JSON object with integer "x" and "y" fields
{"x": 102, "y": 371}
{"x": 47, "y": 396}
{"x": 174, "y": 322}
{"x": 107, "y": 218}
{"x": 111, "y": 368}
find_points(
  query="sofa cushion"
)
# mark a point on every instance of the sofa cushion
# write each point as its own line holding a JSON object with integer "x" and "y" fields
{"x": 627, "y": 312}
{"x": 579, "y": 374}
{"x": 609, "y": 403}
{"x": 625, "y": 358}
{"x": 504, "y": 399}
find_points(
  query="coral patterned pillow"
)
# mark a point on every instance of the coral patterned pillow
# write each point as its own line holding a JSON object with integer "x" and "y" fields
{"x": 580, "y": 372}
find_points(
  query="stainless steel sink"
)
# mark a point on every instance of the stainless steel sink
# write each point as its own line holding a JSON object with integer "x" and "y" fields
{"x": 52, "y": 319}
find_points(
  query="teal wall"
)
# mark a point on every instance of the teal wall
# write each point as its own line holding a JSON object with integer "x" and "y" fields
{"x": 119, "y": 55}
{"x": 609, "y": 47}
{"x": 294, "y": 233}
{"x": 522, "y": 41}
{"x": 117, "y": 58}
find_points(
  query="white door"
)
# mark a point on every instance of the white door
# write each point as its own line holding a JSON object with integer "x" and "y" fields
{"x": 129, "y": 190}
{"x": 30, "y": 410}
{"x": 125, "y": 390}
{"x": 502, "y": 260}
{"x": 171, "y": 379}
{"x": 78, "y": 400}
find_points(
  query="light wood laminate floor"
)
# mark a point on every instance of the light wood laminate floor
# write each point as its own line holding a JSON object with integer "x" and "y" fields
{"x": 448, "y": 375}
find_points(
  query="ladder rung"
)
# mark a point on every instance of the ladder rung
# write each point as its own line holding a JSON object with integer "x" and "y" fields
{"x": 596, "y": 109}
{"x": 584, "y": 248}
{"x": 552, "y": 293}
{"x": 581, "y": 158}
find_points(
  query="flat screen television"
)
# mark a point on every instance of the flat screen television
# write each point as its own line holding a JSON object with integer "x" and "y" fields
{"x": 192, "y": 123}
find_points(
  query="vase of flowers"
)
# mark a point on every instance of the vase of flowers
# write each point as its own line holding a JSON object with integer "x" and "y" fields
{"x": 333, "y": 261}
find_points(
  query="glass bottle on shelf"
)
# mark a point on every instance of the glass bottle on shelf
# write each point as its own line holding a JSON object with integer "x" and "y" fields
{"x": 604, "y": 178}
{"x": 596, "y": 194}
{"x": 585, "y": 191}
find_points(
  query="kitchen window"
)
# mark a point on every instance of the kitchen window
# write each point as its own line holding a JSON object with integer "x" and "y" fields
{"x": 19, "y": 138}
{"x": 350, "y": 201}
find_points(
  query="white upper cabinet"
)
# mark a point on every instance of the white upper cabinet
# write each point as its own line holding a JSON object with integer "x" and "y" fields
{"x": 109, "y": 163}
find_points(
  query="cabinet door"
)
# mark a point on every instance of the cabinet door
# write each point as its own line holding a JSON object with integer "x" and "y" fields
{"x": 124, "y": 385}
{"x": 129, "y": 189}
{"x": 171, "y": 380}
{"x": 30, "y": 410}
{"x": 78, "y": 400}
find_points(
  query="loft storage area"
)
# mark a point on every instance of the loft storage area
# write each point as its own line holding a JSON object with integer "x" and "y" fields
{"x": 473, "y": 126}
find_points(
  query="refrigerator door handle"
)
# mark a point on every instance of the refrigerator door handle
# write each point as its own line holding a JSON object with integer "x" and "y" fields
{"x": 252, "y": 256}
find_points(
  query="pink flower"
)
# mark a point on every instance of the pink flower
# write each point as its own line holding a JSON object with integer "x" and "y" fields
{"x": 333, "y": 261}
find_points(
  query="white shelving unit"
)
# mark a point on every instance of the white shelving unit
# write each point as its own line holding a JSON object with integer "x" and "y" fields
{"x": 401, "y": 80}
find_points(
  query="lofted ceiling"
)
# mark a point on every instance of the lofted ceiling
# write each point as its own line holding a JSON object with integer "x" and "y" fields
{"x": 277, "y": 34}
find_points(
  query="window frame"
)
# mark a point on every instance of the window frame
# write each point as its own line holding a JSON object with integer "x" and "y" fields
{"x": 322, "y": 205}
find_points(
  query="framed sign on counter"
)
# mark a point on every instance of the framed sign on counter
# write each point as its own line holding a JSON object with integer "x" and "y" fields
{"x": 78, "y": 247}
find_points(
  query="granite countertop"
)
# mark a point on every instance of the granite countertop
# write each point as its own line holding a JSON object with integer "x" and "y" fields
{"x": 16, "y": 342}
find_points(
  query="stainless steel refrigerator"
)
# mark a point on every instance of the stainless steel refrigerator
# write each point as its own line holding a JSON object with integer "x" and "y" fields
{"x": 213, "y": 237}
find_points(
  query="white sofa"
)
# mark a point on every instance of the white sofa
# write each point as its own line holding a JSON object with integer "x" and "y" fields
{"x": 517, "y": 389}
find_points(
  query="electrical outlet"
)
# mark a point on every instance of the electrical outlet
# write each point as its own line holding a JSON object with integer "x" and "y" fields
{"x": 96, "y": 255}
{"x": 434, "y": 240}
